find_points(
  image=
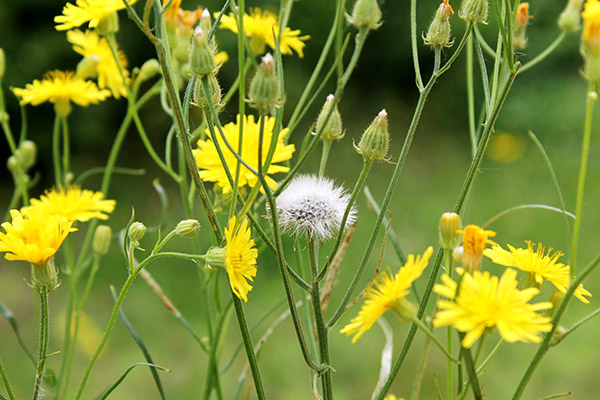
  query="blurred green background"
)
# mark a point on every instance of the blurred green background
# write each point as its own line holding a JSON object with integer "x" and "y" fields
{"x": 549, "y": 100}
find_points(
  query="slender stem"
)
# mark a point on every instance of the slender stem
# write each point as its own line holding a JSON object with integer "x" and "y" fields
{"x": 470, "y": 366}
{"x": 43, "y": 348}
{"x": 471, "y": 96}
{"x": 581, "y": 322}
{"x": 585, "y": 151}
{"x": 449, "y": 366}
{"x": 56, "y": 157}
{"x": 66, "y": 156}
{"x": 319, "y": 321}
{"x": 6, "y": 381}
{"x": 414, "y": 45}
{"x": 324, "y": 156}
{"x": 433, "y": 338}
{"x": 540, "y": 57}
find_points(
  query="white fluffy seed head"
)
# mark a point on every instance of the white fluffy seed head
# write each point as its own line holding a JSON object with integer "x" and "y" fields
{"x": 313, "y": 206}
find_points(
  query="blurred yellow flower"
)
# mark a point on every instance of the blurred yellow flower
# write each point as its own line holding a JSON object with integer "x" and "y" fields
{"x": 259, "y": 26}
{"x": 91, "y": 11}
{"x": 505, "y": 147}
{"x": 240, "y": 258}
{"x": 33, "y": 237}
{"x": 474, "y": 241}
{"x": 99, "y": 61}
{"x": 591, "y": 24}
{"x": 207, "y": 158}
{"x": 61, "y": 88}
{"x": 541, "y": 265}
{"x": 484, "y": 301}
{"x": 74, "y": 204}
{"x": 389, "y": 293}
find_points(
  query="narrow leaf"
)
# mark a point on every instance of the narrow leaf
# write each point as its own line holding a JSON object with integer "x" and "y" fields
{"x": 13, "y": 324}
{"x": 112, "y": 387}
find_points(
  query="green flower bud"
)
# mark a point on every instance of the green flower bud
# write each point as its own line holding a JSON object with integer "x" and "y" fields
{"x": 109, "y": 24}
{"x": 149, "y": 70}
{"x": 215, "y": 90}
{"x": 215, "y": 258}
{"x": 366, "y": 13}
{"x": 136, "y": 231}
{"x": 591, "y": 69}
{"x": 101, "y": 241}
{"x": 570, "y": 19}
{"x": 521, "y": 21}
{"x": 559, "y": 334}
{"x": 187, "y": 228}
{"x": 374, "y": 142}
{"x": 332, "y": 130}
{"x": 45, "y": 276}
{"x": 2, "y": 63}
{"x": 202, "y": 57}
{"x": 12, "y": 164}
{"x": 474, "y": 10}
{"x": 264, "y": 87}
{"x": 205, "y": 25}
{"x": 438, "y": 34}
{"x": 27, "y": 154}
{"x": 449, "y": 224}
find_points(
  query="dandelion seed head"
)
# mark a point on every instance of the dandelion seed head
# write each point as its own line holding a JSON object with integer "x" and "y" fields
{"x": 314, "y": 206}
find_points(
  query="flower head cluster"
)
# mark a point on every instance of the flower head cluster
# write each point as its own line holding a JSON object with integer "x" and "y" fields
{"x": 87, "y": 11}
{"x": 207, "y": 157}
{"x": 73, "y": 203}
{"x": 99, "y": 61}
{"x": 33, "y": 236}
{"x": 474, "y": 242}
{"x": 313, "y": 206}
{"x": 240, "y": 258}
{"x": 484, "y": 302}
{"x": 61, "y": 88}
{"x": 541, "y": 265}
{"x": 259, "y": 26}
{"x": 389, "y": 293}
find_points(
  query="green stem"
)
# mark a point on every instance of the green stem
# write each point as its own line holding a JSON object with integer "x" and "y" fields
{"x": 414, "y": 45}
{"x": 5, "y": 381}
{"x": 433, "y": 338}
{"x": 470, "y": 366}
{"x": 58, "y": 176}
{"x": 471, "y": 97}
{"x": 66, "y": 156}
{"x": 449, "y": 366}
{"x": 43, "y": 348}
{"x": 540, "y": 57}
{"x": 585, "y": 151}
{"x": 324, "y": 156}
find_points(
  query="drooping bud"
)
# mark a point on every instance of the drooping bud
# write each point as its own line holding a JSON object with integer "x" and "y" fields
{"x": 591, "y": 40}
{"x": 438, "y": 34}
{"x": 474, "y": 10}
{"x": 187, "y": 228}
{"x": 202, "y": 57}
{"x": 366, "y": 13}
{"x": 101, "y": 241}
{"x": 521, "y": 21}
{"x": 570, "y": 19}
{"x": 374, "y": 142}
{"x": 449, "y": 225}
{"x": 108, "y": 24}
{"x": 215, "y": 91}
{"x": 332, "y": 130}
{"x": 264, "y": 87}
{"x": 44, "y": 276}
{"x": 215, "y": 258}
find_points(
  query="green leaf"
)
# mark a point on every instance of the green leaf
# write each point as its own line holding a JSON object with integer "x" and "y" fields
{"x": 13, "y": 324}
{"x": 112, "y": 387}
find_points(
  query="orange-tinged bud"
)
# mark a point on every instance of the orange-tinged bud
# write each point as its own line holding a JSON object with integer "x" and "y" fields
{"x": 521, "y": 21}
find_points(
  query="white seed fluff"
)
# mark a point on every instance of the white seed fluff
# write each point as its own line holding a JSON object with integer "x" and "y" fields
{"x": 313, "y": 206}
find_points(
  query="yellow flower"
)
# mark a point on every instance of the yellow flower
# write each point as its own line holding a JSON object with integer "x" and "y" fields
{"x": 33, "y": 237}
{"x": 96, "y": 51}
{"x": 484, "y": 301}
{"x": 61, "y": 88}
{"x": 474, "y": 241}
{"x": 74, "y": 204}
{"x": 259, "y": 26}
{"x": 240, "y": 258}
{"x": 388, "y": 293}
{"x": 591, "y": 24}
{"x": 541, "y": 265}
{"x": 91, "y": 11}
{"x": 393, "y": 397}
{"x": 208, "y": 160}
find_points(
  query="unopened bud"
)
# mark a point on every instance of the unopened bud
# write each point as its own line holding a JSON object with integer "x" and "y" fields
{"x": 108, "y": 24}
{"x": 374, "y": 142}
{"x": 187, "y": 228}
{"x": 366, "y": 13}
{"x": 438, "y": 34}
{"x": 215, "y": 258}
{"x": 101, "y": 241}
{"x": 521, "y": 21}
{"x": 559, "y": 334}
{"x": 27, "y": 154}
{"x": 136, "y": 231}
{"x": 332, "y": 130}
{"x": 12, "y": 164}
{"x": 264, "y": 88}
{"x": 149, "y": 70}
{"x": 202, "y": 57}
{"x": 570, "y": 19}
{"x": 474, "y": 10}
{"x": 205, "y": 25}
{"x": 449, "y": 224}
{"x": 214, "y": 88}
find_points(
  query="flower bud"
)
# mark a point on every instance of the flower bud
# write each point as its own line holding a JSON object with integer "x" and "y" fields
{"x": 559, "y": 334}
{"x": 12, "y": 164}
{"x": 2, "y": 63}
{"x": 570, "y": 18}
{"x": 215, "y": 258}
{"x": 264, "y": 88}
{"x": 521, "y": 21}
{"x": 202, "y": 57}
{"x": 88, "y": 67}
{"x": 108, "y": 24}
{"x": 332, "y": 130}
{"x": 474, "y": 10}
{"x": 214, "y": 88}
{"x": 366, "y": 13}
{"x": 374, "y": 142}
{"x": 449, "y": 225}
{"x": 438, "y": 34}
{"x": 149, "y": 70}
{"x": 101, "y": 241}
{"x": 44, "y": 276}
{"x": 136, "y": 231}
{"x": 187, "y": 228}
{"x": 27, "y": 154}
{"x": 205, "y": 25}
